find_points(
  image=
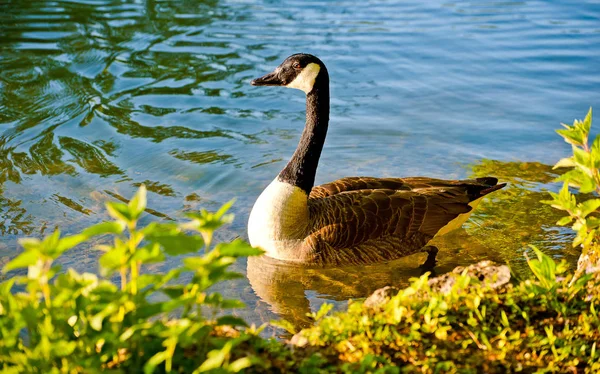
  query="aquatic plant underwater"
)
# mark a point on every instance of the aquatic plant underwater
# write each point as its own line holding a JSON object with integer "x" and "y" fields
{"x": 127, "y": 320}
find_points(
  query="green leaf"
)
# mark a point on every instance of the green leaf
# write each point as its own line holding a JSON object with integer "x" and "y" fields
{"x": 566, "y": 162}
{"x": 176, "y": 243}
{"x": 582, "y": 234}
{"x": 5, "y": 288}
{"x": 114, "y": 259}
{"x": 195, "y": 263}
{"x": 223, "y": 209}
{"x": 579, "y": 179}
{"x": 205, "y": 221}
{"x": 238, "y": 248}
{"x": 325, "y": 308}
{"x": 581, "y": 158}
{"x": 241, "y": 364}
{"x": 571, "y": 135}
{"x": 154, "y": 361}
{"x": 231, "y": 321}
{"x": 216, "y": 358}
{"x": 30, "y": 243}
{"x": 148, "y": 254}
{"x": 174, "y": 291}
{"x": 591, "y": 235}
{"x": 229, "y": 275}
{"x": 52, "y": 246}
{"x": 63, "y": 348}
{"x": 137, "y": 204}
{"x": 96, "y": 322}
{"x": 564, "y": 199}
{"x": 104, "y": 228}
{"x": 587, "y": 122}
{"x": 23, "y": 260}
{"x": 592, "y": 222}
{"x": 587, "y": 207}
{"x": 595, "y": 152}
{"x": 544, "y": 268}
{"x": 573, "y": 177}
{"x": 588, "y": 185}
{"x": 69, "y": 242}
{"x": 564, "y": 195}
{"x": 119, "y": 211}
{"x": 217, "y": 300}
{"x": 564, "y": 221}
{"x": 285, "y": 325}
{"x": 232, "y": 304}
{"x": 145, "y": 280}
{"x": 51, "y": 241}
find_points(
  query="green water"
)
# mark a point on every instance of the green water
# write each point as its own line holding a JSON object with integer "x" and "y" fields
{"x": 99, "y": 96}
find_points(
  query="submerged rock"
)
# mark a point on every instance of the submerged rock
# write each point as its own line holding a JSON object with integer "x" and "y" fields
{"x": 487, "y": 272}
{"x": 380, "y": 296}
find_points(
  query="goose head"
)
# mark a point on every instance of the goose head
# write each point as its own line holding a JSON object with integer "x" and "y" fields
{"x": 298, "y": 71}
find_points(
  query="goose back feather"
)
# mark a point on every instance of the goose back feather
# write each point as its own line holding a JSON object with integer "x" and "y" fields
{"x": 365, "y": 220}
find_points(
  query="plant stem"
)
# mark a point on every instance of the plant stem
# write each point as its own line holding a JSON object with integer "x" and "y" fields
{"x": 132, "y": 244}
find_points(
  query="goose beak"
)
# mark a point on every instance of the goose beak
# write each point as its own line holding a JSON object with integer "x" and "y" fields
{"x": 270, "y": 79}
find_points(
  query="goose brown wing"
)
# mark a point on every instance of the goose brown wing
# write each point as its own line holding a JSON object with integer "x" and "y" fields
{"x": 348, "y": 219}
{"x": 472, "y": 187}
{"x": 355, "y": 184}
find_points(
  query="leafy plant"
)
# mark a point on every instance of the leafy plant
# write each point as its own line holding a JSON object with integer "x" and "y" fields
{"x": 71, "y": 322}
{"x": 538, "y": 325}
{"x": 583, "y": 215}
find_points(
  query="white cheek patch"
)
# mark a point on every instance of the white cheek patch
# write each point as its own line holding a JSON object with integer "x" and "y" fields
{"x": 306, "y": 79}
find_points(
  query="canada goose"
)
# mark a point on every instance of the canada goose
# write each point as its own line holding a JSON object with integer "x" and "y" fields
{"x": 354, "y": 220}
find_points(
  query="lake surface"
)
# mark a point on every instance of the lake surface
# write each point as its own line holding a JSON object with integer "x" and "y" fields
{"x": 99, "y": 96}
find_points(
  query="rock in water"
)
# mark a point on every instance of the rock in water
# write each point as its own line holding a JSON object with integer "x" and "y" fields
{"x": 380, "y": 296}
{"x": 487, "y": 272}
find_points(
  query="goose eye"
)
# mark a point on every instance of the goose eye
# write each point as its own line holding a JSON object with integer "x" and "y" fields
{"x": 296, "y": 65}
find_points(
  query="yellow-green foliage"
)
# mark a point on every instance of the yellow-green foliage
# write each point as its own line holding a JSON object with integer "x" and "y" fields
{"x": 74, "y": 322}
{"x": 583, "y": 215}
{"x": 539, "y": 324}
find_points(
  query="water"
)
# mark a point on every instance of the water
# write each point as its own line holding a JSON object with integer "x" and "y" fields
{"x": 99, "y": 96}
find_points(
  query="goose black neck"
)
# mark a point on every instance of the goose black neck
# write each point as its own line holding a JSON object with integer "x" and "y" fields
{"x": 302, "y": 167}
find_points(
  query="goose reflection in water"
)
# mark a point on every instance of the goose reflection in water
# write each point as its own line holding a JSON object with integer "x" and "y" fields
{"x": 287, "y": 287}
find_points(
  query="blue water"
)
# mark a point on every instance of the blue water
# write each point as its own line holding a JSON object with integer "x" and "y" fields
{"x": 99, "y": 96}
